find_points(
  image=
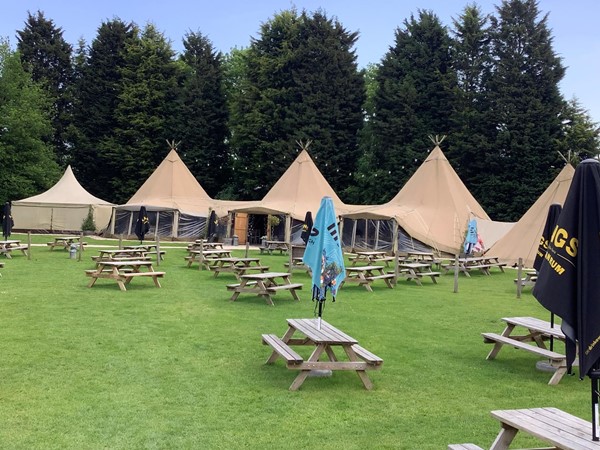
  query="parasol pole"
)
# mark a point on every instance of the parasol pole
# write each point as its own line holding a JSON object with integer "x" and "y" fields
{"x": 319, "y": 315}
{"x": 551, "y": 336}
{"x": 594, "y": 374}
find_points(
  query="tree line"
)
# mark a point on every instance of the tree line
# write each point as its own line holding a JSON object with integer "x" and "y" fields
{"x": 489, "y": 83}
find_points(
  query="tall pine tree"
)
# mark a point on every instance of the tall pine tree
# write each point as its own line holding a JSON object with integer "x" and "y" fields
{"x": 302, "y": 84}
{"x": 526, "y": 103}
{"x": 144, "y": 112}
{"x": 98, "y": 86}
{"x": 414, "y": 100}
{"x": 202, "y": 114}
{"x": 47, "y": 56}
{"x": 470, "y": 141}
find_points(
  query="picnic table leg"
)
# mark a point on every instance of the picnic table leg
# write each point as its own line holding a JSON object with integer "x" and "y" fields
{"x": 156, "y": 282}
{"x": 92, "y": 281}
{"x": 305, "y": 372}
{"x": 498, "y": 345}
{"x": 264, "y": 293}
{"x": 558, "y": 374}
{"x": 362, "y": 374}
{"x": 286, "y": 337}
{"x": 504, "y": 438}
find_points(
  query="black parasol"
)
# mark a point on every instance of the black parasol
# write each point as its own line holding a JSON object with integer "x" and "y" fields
{"x": 211, "y": 229}
{"x": 551, "y": 219}
{"x": 142, "y": 225}
{"x": 553, "y": 212}
{"x": 306, "y": 227}
{"x": 7, "y": 221}
{"x": 568, "y": 283}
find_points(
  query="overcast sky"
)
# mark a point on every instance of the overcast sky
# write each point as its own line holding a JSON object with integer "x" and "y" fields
{"x": 230, "y": 24}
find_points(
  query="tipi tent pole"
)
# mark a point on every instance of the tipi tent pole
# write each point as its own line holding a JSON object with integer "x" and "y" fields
{"x": 112, "y": 221}
{"x": 395, "y": 237}
{"x": 156, "y": 226}
{"x": 377, "y": 223}
{"x": 288, "y": 231}
{"x": 175, "y": 231}
{"x": 353, "y": 242}
{"x": 130, "y": 223}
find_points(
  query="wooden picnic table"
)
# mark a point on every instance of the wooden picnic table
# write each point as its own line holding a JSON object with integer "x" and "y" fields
{"x": 533, "y": 340}
{"x": 271, "y": 246}
{"x": 264, "y": 284}
{"x": 325, "y": 338}
{"x": 482, "y": 263}
{"x": 365, "y": 275}
{"x": 417, "y": 256}
{"x": 202, "y": 244}
{"x": 237, "y": 266}
{"x": 297, "y": 264}
{"x": 120, "y": 253}
{"x": 123, "y": 271}
{"x": 529, "y": 279}
{"x": 10, "y": 245}
{"x": 551, "y": 425}
{"x": 148, "y": 249}
{"x": 65, "y": 242}
{"x": 370, "y": 257}
{"x": 416, "y": 271}
{"x": 204, "y": 257}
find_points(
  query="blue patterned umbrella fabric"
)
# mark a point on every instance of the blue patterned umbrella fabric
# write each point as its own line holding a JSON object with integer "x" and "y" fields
{"x": 471, "y": 238}
{"x": 324, "y": 255}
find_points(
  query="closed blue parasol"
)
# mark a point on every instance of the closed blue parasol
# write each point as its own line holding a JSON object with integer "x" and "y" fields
{"x": 568, "y": 283}
{"x": 471, "y": 238}
{"x": 324, "y": 255}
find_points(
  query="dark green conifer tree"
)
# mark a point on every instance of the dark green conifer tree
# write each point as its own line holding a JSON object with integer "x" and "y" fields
{"x": 98, "y": 86}
{"x": 202, "y": 115}
{"x": 47, "y": 56}
{"x": 302, "y": 85}
{"x": 414, "y": 97}
{"x": 27, "y": 161}
{"x": 526, "y": 103}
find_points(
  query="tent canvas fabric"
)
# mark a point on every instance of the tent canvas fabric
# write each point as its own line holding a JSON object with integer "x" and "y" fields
{"x": 524, "y": 237}
{"x": 177, "y": 204}
{"x": 63, "y": 207}
{"x": 298, "y": 190}
{"x": 434, "y": 206}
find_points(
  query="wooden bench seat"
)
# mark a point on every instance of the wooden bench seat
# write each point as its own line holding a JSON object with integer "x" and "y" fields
{"x": 367, "y": 356}
{"x": 249, "y": 268}
{"x": 285, "y": 287}
{"x": 490, "y": 338}
{"x": 143, "y": 274}
{"x": 380, "y": 277}
{"x": 282, "y": 349}
{"x": 527, "y": 281}
{"x": 500, "y": 265}
{"x": 432, "y": 275}
{"x": 464, "y": 447}
{"x": 232, "y": 287}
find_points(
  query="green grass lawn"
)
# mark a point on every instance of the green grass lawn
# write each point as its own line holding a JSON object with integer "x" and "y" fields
{"x": 183, "y": 367}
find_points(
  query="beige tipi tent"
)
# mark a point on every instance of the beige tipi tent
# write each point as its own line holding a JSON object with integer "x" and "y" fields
{"x": 63, "y": 207}
{"x": 177, "y": 205}
{"x": 433, "y": 207}
{"x": 298, "y": 190}
{"x": 524, "y": 237}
